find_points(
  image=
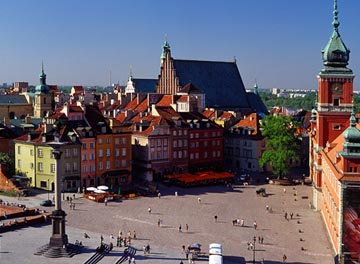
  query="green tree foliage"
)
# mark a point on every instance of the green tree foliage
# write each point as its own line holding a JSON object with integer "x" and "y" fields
{"x": 281, "y": 143}
{"x": 306, "y": 103}
{"x": 8, "y": 162}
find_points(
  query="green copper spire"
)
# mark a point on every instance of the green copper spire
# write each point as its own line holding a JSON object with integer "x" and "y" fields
{"x": 42, "y": 87}
{"x": 166, "y": 48}
{"x": 335, "y": 55}
{"x": 42, "y": 75}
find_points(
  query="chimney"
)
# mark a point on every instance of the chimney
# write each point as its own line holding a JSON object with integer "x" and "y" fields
{"x": 29, "y": 137}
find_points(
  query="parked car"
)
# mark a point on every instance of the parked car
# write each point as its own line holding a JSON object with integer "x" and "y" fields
{"x": 46, "y": 203}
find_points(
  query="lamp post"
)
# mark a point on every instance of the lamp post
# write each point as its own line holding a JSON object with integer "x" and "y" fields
{"x": 48, "y": 189}
{"x": 254, "y": 249}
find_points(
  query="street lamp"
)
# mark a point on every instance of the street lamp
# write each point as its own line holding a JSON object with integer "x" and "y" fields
{"x": 48, "y": 189}
{"x": 254, "y": 250}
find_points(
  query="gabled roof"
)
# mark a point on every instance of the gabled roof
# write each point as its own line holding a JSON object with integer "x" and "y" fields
{"x": 220, "y": 81}
{"x": 145, "y": 85}
{"x": 190, "y": 88}
{"x": 251, "y": 122}
{"x": 209, "y": 113}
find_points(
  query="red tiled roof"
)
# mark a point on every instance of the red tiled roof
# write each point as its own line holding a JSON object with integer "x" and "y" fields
{"x": 250, "y": 121}
{"x": 208, "y": 113}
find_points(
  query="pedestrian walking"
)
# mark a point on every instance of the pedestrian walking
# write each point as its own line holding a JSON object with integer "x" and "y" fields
{"x": 286, "y": 215}
{"x": 181, "y": 262}
{"x": 284, "y": 190}
{"x": 149, "y": 210}
{"x": 291, "y": 215}
{"x": 179, "y": 228}
{"x": 176, "y": 194}
{"x": 199, "y": 200}
{"x": 215, "y": 218}
{"x": 242, "y": 222}
{"x": 101, "y": 239}
{"x": 106, "y": 201}
{"x": 267, "y": 208}
{"x": 187, "y": 251}
{"x": 134, "y": 235}
{"x": 262, "y": 240}
{"x": 159, "y": 195}
{"x": 159, "y": 223}
{"x": 255, "y": 225}
{"x": 187, "y": 227}
{"x": 183, "y": 249}
{"x": 284, "y": 258}
{"x": 73, "y": 206}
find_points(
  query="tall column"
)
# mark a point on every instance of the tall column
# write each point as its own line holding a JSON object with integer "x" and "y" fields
{"x": 58, "y": 238}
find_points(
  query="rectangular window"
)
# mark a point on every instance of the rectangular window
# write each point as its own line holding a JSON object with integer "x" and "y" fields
{"x": 84, "y": 146}
{"x": 185, "y": 132}
{"x": 180, "y": 154}
{"x": 40, "y": 166}
{"x": 191, "y": 156}
{"x": 205, "y": 143}
{"x": 92, "y": 156}
{"x": 31, "y": 152}
{"x": 31, "y": 165}
{"x": 75, "y": 152}
{"x": 75, "y": 166}
{"x": 19, "y": 150}
{"x": 100, "y": 152}
{"x": 123, "y": 152}
{"x": 100, "y": 165}
{"x": 40, "y": 153}
{"x": 52, "y": 168}
{"x": 180, "y": 143}
{"x": 107, "y": 152}
{"x": 117, "y": 152}
{"x": 196, "y": 155}
{"x": 67, "y": 167}
{"x": 83, "y": 157}
{"x": 67, "y": 153}
{"x": 107, "y": 164}
{"x": 100, "y": 141}
{"x": 91, "y": 145}
{"x": 123, "y": 163}
{"x": 159, "y": 142}
{"x": 84, "y": 168}
{"x": 19, "y": 163}
{"x": 175, "y": 144}
{"x": 117, "y": 141}
{"x": 175, "y": 155}
{"x": 92, "y": 168}
{"x": 336, "y": 127}
{"x": 185, "y": 153}
{"x": 108, "y": 140}
{"x": 124, "y": 140}
{"x": 117, "y": 163}
{"x": 180, "y": 132}
{"x": 185, "y": 143}
{"x": 174, "y": 133}
{"x": 43, "y": 184}
{"x": 205, "y": 155}
{"x": 165, "y": 141}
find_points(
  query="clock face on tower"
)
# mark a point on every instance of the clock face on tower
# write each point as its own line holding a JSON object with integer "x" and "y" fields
{"x": 337, "y": 87}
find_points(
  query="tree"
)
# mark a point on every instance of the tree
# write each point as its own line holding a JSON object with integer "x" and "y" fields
{"x": 281, "y": 143}
{"x": 8, "y": 162}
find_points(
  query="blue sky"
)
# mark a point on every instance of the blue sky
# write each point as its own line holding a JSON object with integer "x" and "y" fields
{"x": 276, "y": 42}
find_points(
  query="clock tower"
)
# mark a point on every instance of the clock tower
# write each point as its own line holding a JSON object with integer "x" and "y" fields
{"x": 335, "y": 88}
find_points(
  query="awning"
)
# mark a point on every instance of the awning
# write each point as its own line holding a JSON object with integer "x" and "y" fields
{"x": 115, "y": 173}
{"x": 71, "y": 177}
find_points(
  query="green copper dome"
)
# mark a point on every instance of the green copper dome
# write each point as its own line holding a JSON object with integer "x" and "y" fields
{"x": 335, "y": 54}
{"x": 42, "y": 87}
{"x": 352, "y": 134}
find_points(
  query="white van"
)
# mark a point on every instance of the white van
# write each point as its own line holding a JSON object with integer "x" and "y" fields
{"x": 215, "y": 254}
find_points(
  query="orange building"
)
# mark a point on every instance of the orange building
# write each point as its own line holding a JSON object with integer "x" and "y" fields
{"x": 335, "y": 150}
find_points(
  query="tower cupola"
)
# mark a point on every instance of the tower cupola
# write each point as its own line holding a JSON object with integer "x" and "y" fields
{"x": 335, "y": 54}
{"x": 42, "y": 87}
{"x": 166, "y": 48}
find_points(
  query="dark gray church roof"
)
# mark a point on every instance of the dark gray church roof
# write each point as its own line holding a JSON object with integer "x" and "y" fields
{"x": 256, "y": 103}
{"x": 145, "y": 85}
{"x": 220, "y": 81}
{"x": 15, "y": 99}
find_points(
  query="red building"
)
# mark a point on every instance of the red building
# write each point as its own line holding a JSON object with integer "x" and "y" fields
{"x": 335, "y": 150}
